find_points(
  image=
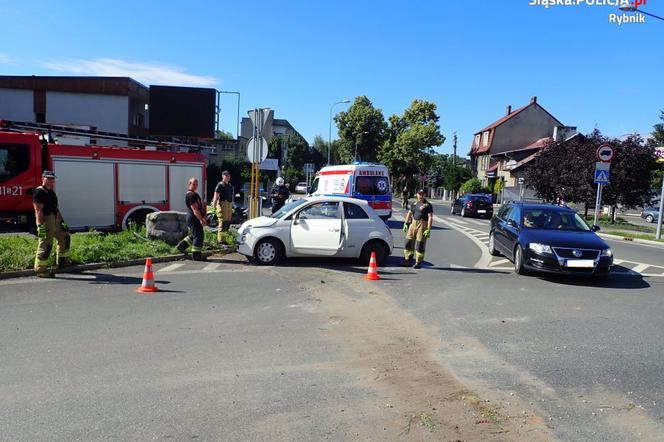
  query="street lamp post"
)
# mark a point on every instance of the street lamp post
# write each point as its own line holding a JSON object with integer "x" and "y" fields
{"x": 632, "y": 8}
{"x": 658, "y": 235}
{"x": 329, "y": 140}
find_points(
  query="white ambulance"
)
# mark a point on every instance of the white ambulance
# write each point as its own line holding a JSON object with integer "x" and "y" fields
{"x": 366, "y": 181}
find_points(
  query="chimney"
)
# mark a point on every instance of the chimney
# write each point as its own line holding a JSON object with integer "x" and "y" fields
{"x": 509, "y": 109}
{"x": 533, "y": 100}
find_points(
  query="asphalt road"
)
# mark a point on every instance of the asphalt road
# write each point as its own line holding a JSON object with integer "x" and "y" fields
{"x": 310, "y": 351}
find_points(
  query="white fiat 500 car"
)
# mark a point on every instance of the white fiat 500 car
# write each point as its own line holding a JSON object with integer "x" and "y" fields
{"x": 316, "y": 226}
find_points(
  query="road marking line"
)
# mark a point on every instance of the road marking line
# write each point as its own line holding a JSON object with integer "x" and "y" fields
{"x": 499, "y": 262}
{"x": 460, "y": 221}
{"x": 211, "y": 267}
{"x": 456, "y": 266}
{"x": 486, "y": 258}
{"x": 398, "y": 217}
{"x": 640, "y": 268}
{"x": 171, "y": 267}
{"x": 480, "y": 235}
{"x": 479, "y": 223}
{"x": 618, "y": 261}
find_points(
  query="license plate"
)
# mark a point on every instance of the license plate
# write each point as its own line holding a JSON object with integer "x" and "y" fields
{"x": 481, "y": 211}
{"x": 580, "y": 263}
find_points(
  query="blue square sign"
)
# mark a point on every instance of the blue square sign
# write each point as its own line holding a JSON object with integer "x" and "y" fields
{"x": 601, "y": 177}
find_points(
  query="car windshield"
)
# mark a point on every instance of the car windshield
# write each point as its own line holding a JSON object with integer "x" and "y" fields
{"x": 287, "y": 208}
{"x": 552, "y": 219}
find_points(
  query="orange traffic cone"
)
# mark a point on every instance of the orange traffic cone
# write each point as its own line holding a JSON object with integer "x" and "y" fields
{"x": 372, "y": 271}
{"x": 148, "y": 279}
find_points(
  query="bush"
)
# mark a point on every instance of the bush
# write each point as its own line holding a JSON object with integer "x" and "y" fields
{"x": 473, "y": 185}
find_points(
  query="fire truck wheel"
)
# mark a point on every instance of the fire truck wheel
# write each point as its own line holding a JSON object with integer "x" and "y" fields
{"x": 138, "y": 218}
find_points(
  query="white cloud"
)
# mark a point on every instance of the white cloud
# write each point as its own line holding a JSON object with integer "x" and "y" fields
{"x": 156, "y": 74}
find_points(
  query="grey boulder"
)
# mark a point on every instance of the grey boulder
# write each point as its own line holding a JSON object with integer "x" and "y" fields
{"x": 169, "y": 226}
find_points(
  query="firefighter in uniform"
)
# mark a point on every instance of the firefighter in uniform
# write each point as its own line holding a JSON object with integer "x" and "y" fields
{"x": 50, "y": 224}
{"x": 195, "y": 221}
{"x": 223, "y": 203}
{"x": 417, "y": 227}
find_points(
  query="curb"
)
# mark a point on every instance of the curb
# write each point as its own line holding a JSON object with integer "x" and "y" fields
{"x": 636, "y": 240}
{"x": 111, "y": 265}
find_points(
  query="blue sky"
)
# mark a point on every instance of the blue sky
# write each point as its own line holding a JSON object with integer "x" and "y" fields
{"x": 472, "y": 58}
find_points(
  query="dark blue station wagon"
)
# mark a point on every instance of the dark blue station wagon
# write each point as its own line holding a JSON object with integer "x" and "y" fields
{"x": 548, "y": 238}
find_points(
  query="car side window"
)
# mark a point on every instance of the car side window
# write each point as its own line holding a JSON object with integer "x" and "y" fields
{"x": 353, "y": 211}
{"x": 322, "y": 210}
{"x": 504, "y": 212}
{"x": 515, "y": 215}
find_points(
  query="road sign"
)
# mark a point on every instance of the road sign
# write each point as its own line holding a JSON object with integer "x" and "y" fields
{"x": 605, "y": 153}
{"x": 521, "y": 180}
{"x": 270, "y": 164}
{"x": 601, "y": 177}
{"x": 262, "y": 120}
{"x": 309, "y": 167}
{"x": 257, "y": 150}
{"x": 602, "y": 166}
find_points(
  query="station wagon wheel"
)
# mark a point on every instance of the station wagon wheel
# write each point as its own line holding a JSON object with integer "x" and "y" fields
{"x": 492, "y": 246}
{"x": 452, "y": 210}
{"x": 650, "y": 219}
{"x": 268, "y": 252}
{"x": 518, "y": 261}
{"x": 463, "y": 212}
{"x": 374, "y": 246}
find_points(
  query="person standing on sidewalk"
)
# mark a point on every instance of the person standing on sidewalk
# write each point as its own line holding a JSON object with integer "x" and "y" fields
{"x": 223, "y": 203}
{"x": 405, "y": 193}
{"x": 195, "y": 221}
{"x": 417, "y": 227}
{"x": 50, "y": 224}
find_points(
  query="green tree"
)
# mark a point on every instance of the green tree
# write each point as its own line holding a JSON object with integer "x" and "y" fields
{"x": 455, "y": 176}
{"x": 223, "y": 135}
{"x": 411, "y": 138}
{"x": 436, "y": 172}
{"x": 657, "y": 140}
{"x": 362, "y": 126}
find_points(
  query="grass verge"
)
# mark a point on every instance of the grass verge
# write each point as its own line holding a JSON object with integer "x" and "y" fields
{"x": 18, "y": 252}
{"x": 632, "y": 235}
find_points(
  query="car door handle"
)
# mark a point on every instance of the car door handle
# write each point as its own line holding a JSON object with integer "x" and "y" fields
{"x": 332, "y": 229}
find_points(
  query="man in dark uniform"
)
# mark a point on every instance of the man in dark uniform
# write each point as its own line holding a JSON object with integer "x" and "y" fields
{"x": 280, "y": 194}
{"x": 223, "y": 203}
{"x": 417, "y": 227}
{"x": 50, "y": 224}
{"x": 195, "y": 221}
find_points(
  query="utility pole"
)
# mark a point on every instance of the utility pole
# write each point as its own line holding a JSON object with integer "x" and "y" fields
{"x": 455, "y": 148}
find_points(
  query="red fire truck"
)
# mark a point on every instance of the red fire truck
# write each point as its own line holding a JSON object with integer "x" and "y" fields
{"x": 99, "y": 187}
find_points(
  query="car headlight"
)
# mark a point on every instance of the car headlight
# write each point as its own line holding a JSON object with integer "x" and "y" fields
{"x": 607, "y": 252}
{"x": 540, "y": 248}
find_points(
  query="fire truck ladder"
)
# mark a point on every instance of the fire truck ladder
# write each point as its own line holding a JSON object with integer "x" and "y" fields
{"x": 44, "y": 128}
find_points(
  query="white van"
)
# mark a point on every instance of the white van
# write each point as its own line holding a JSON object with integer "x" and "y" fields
{"x": 365, "y": 181}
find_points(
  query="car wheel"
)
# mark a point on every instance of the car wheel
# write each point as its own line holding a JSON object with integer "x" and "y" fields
{"x": 377, "y": 247}
{"x": 518, "y": 261}
{"x": 268, "y": 251}
{"x": 650, "y": 219}
{"x": 492, "y": 246}
{"x": 463, "y": 212}
{"x": 452, "y": 210}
